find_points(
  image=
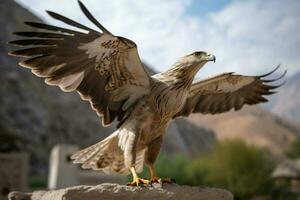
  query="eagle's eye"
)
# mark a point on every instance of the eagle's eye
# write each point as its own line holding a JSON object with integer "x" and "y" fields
{"x": 199, "y": 53}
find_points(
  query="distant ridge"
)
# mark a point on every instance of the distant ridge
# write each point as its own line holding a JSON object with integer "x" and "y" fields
{"x": 254, "y": 125}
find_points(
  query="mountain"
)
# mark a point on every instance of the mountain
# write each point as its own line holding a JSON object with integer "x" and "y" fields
{"x": 287, "y": 102}
{"x": 34, "y": 116}
{"x": 254, "y": 125}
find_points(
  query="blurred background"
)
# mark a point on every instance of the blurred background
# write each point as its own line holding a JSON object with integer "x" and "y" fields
{"x": 254, "y": 153}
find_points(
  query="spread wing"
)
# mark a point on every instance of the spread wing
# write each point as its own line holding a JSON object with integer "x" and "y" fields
{"x": 104, "y": 69}
{"x": 227, "y": 91}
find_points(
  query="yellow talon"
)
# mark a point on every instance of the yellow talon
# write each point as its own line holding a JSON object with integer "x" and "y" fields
{"x": 157, "y": 179}
{"x": 139, "y": 182}
{"x": 136, "y": 180}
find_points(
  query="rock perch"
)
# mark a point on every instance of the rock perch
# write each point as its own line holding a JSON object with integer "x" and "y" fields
{"x": 110, "y": 191}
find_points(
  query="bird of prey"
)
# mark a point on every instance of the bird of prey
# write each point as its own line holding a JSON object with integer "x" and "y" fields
{"x": 107, "y": 71}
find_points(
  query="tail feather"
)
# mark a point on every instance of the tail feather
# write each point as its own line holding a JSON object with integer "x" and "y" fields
{"x": 107, "y": 156}
{"x": 87, "y": 153}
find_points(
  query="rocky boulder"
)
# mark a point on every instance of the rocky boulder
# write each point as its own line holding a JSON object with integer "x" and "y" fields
{"x": 109, "y": 191}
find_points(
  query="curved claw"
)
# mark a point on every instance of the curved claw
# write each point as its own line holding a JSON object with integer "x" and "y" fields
{"x": 139, "y": 182}
{"x": 162, "y": 180}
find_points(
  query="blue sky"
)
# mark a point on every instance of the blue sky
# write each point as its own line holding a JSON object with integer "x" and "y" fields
{"x": 200, "y": 8}
{"x": 248, "y": 37}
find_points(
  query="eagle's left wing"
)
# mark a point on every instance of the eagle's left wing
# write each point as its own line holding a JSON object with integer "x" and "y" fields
{"x": 227, "y": 91}
{"x": 104, "y": 69}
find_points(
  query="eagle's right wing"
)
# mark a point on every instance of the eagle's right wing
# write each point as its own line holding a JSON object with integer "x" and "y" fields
{"x": 227, "y": 91}
{"x": 106, "y": 70}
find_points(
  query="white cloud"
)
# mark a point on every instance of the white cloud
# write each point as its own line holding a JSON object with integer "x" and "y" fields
{"x": 258, "y": 34}
{"x": 246, "y": 36}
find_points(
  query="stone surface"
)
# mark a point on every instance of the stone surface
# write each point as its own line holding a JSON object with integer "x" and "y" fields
{"x": 109, "y": 191}
{"x": 13, "y": 172}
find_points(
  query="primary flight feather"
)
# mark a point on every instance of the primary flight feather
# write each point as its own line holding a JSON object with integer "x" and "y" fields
{"x": 106, "y": 71}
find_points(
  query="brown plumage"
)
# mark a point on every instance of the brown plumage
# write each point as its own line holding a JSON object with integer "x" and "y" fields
{"x": 106, "y": 71}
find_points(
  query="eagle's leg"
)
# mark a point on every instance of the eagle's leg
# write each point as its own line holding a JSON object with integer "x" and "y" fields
{"x": 130, "y": 158}
{"x": 151, "y": 155}
{"x": 157, "y": 179}
{"x": 136, "y": 181}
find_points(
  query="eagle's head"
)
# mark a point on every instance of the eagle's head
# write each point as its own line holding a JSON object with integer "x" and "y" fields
{"x": 189, "y": 65}
{"x": 198, "y": 58}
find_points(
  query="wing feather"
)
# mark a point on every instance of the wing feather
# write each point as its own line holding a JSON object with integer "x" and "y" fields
{"x": 228, "y": 91}
{"x": 104, "y": 69}
{"x": 92, "y": 18}
{"x": 68, "y": 21}
{"x": 40, "y": 34}
{"x": 27, "y": 42}
{"x": 31, "y": 52}
{"x": 53, "y": 28}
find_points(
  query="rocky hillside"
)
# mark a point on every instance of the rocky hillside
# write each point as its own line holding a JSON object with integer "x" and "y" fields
{"x": 287, "y": 101}
{"x": 34, "y": 116}
{"x": 253, "y": 125}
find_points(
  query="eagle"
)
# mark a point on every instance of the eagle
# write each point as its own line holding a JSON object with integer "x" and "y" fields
{"x": 106, "y": 70}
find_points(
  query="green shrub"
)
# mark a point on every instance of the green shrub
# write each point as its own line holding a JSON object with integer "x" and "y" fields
{"x": 170, "y": 167}
{"x": 233, "y": 165}
{"x": 294, "y": 150}
{"x": 37, "y": 182}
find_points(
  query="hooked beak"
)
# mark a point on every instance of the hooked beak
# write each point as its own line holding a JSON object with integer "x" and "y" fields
{"x": 211, "y": 58}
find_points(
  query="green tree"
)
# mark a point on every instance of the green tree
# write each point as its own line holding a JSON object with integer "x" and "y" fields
{"x": 170, "y": 167}
{"x": 173, "y": 167}
{"x": 244, "y": 170}
{"x": 294, "y": 150}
